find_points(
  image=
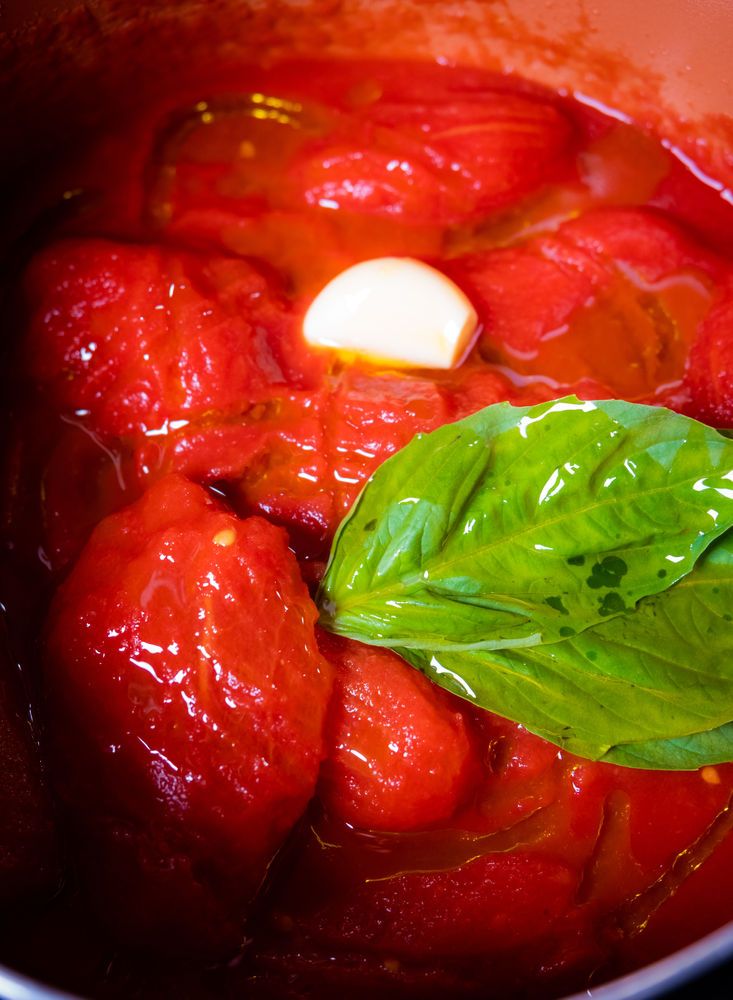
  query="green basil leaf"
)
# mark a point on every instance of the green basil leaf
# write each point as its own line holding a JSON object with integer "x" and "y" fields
{"x": 518, "y": 527}
{"x": 653, "y": 688}
{"x": 687, "y": 753}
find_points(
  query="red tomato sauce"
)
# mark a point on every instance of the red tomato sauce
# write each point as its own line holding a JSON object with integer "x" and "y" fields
{"x": 213, "y": 796}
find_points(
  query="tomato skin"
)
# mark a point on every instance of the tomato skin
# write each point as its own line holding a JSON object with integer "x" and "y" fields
{"x": 188, "y": 700}
{"x": 400, "y": 749}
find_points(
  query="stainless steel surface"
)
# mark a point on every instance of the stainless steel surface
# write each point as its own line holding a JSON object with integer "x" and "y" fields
{"x": 13, "y": 986}
{"x": 669, "y": 973}
{"x": 654, "y": 980}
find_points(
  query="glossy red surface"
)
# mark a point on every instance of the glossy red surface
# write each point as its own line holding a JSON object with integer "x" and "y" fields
{"x": 158, "y": 323}
{"x": 186, "y": 704}
{"x": 401, "y": 753}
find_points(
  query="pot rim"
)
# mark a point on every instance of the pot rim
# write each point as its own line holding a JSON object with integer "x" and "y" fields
{"x": 649, "y": 981}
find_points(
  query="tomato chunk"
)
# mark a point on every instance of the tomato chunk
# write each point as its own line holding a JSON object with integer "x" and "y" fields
{"x": 616, "y": 296}
{"x": 142, "y": 339}
{"x": 400, "y": 753}
{"x": 490, "y": 904}
{"x": 428, "y": 161}
{"x": 188, "y": 700}
{"x": 323, "y": 446}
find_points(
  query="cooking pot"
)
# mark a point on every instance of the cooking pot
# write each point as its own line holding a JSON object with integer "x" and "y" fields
{"x": 67, "y": 66}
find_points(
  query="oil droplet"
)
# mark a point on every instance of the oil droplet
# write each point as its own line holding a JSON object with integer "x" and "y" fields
{"x": 710, "y": 775}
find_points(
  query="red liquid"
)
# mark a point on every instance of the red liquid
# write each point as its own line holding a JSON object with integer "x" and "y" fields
{"x": 165, "y": 337}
